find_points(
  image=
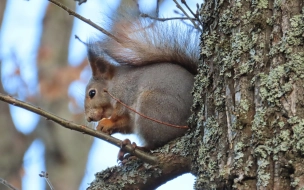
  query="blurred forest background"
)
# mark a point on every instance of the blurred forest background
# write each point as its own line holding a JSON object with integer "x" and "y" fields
{"x": 42, "y": 63}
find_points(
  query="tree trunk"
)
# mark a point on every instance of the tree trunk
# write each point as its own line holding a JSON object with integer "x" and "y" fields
{"x": 250, "y": 96}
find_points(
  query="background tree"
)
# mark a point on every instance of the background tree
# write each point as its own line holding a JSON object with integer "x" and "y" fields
{"x": 65, "y": 152}
{"x": 13, "y": 144}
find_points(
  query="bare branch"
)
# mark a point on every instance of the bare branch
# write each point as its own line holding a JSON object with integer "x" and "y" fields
{"x": 80, "y": 128}
{"x": 81, "y": 1}
{"x": 88, "y": 21}
{"x": 157, "y": 8}
{"x": 185, "y": 3}
{"x": 185, "y": 13}
{"x": 194, "y": 14}
{"x": 166, "y": 19}
{"x": 84, "y": 43}
{"x": 4, "y": 182}
{"x": 45, "y": 175}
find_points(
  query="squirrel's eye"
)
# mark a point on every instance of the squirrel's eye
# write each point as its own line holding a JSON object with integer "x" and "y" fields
{"x": 92, "y": 93}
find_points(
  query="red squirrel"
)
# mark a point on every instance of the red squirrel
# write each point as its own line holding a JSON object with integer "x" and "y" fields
{"x": 150, "y": 67}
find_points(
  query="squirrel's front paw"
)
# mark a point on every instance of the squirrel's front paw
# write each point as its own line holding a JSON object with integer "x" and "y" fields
{"x": 106, "y": 126}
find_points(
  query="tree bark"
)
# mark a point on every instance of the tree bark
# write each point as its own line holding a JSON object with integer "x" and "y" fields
{"x": 250, "y": 92}
{"x": 172, "y": 161}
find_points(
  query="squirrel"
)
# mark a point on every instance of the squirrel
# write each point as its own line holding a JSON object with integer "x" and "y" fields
{"x": 150, "y": 66}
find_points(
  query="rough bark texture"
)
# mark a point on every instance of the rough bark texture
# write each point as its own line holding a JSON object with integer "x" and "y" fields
{"x": 138, "y": 175}
{"x": 173, "y": 161}
{"x": 249, "y": 96}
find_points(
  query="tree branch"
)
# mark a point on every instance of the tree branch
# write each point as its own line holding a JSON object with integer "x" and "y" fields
{"x": 4, "y": 182}
{"x": 88, "y": 21}
{"x": 80, "y": 128}
{"x": 195, "y": 15}
{"x": 165, "y": 19}
{"x": 135, "y": 174}
{"x": 185, "y": 13}
{"x": 45, "y": 175}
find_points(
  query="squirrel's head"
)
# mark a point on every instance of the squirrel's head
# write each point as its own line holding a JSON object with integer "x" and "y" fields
{"x": 97, "y": 102}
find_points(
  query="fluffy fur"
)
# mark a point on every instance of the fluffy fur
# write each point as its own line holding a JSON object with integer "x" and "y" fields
{"x": 154, "y": 74}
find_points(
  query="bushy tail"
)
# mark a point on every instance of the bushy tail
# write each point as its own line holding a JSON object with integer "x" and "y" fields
{"x": 142, "y": 41}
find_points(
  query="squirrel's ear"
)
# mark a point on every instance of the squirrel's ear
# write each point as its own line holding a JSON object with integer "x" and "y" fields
{"x": 100, "y": 65}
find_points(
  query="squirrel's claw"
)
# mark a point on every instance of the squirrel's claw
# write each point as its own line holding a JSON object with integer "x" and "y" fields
{"x": 122, "y": 154}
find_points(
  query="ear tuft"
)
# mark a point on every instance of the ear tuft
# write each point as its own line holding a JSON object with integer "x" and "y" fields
{"x": 100, "y": 65}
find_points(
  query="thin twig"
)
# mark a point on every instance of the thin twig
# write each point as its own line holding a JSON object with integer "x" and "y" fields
{"x": 45, "y": 175}
{"x": 157, "y": 121}
{"x": 185, "y": 13}
{"x": 80, "y": 128}
{"x": 81, "y": 1}
{"x": 166, "y": 19}
{"x": 157, "y": 8}
{"x": 4, "y": 182}
{"x": 88, "y": 21}
{"x": 84, "y": 43}
{"x": 195, "y": 15}
{"x": 185, "y": 3}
